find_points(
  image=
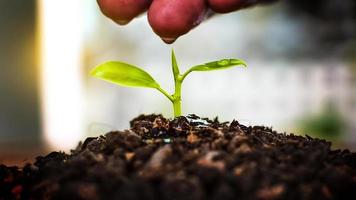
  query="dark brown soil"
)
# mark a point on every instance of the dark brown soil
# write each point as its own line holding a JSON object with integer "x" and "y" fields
{"x": 188, "y": 158}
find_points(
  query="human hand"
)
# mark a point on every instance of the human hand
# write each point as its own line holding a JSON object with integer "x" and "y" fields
{"x": 171, "y": 19}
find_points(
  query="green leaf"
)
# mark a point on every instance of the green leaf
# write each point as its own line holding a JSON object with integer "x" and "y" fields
{"x": 175, "y": 67}
{"x": 124, "y": 74}
{"x": 218, "y": 65}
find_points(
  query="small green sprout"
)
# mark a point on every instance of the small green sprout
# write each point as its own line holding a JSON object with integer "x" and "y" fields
{"x": 128, "y": 75}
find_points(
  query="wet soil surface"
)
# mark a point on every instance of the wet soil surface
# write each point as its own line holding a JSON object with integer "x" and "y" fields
{"x": 188, "y": 158}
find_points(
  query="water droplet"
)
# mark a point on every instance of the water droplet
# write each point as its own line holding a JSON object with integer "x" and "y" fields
{"x": 122, "y": 22}
{"x": 169, "y": 40}
{"x": 223, "y": 62}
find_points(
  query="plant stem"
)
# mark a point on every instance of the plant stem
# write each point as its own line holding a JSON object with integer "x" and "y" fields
{"x": 177, "y": 96}
{"x": 177, "y": 106}
{"x": 170, "y": 97}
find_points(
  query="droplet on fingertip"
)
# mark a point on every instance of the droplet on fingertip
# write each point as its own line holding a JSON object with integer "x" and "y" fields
{"x": 169, "y": 40}
{"x": 122, "y": 22}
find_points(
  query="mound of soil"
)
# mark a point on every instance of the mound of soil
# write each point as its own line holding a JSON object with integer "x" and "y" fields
{"x": 188, "y": 158}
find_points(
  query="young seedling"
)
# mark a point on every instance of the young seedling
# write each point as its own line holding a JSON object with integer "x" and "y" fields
{"x": 128, "y": 75}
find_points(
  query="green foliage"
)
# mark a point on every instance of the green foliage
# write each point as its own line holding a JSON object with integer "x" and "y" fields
{"x": 328, "y": 124}
{"x": 128, "y": 75}
{"x": 218, "y": 65}
{"x": 124, "y": 74}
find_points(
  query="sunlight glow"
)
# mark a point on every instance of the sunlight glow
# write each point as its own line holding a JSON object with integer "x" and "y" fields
{"x": 60, "y": 35}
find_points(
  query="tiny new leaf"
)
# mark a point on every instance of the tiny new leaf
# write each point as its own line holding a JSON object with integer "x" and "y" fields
{"x": 124, "y": 74}
{"x": 175, "y": 67}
